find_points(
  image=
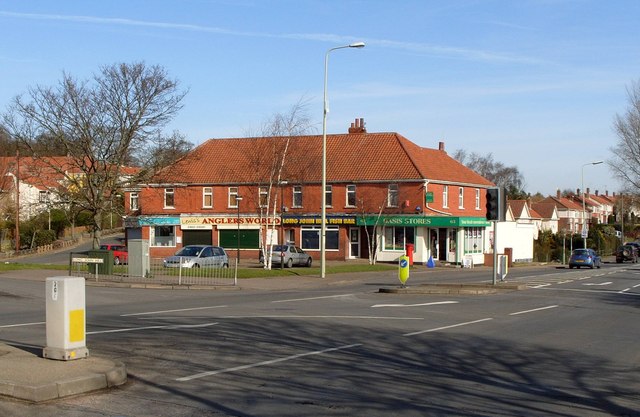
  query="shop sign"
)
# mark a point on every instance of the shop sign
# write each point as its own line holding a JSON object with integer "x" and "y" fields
{"x": 207, "y": 222}
{"x": 426, "y": 221}
{"x": 429, "y": 197}
{"x": 306, "y": 221}
{"x": 158, "y": 221}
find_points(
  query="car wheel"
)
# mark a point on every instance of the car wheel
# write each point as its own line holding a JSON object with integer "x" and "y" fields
{"x": 570, "y": 266}
{"x": 309, "y": 261}
{"x": 225, "y": 265}
{"x": 196, "y": 266}
{"x": 591, "y": 266}
{"x": 289, "y": 262}
{"x": 116, "y": 261}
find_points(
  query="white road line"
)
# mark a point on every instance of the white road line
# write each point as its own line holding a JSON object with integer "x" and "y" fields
{"x": 170, "y": 327}
{"x": 598, "y": 284}
{"x": 264, "y": 363}
{"x": 169, "y": 311}
{"x": 446, "y": 327}
{"x": 312, "y": 298}
{"x": 593, "y": 291}
{"x": 283, "y": 316}
{"x": 415, "y": 305}
{"x": 531, "y": 311}
{"x": 22, "y": 324}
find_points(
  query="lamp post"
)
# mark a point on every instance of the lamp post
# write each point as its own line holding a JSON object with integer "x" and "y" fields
{"x": 17, "y": 229}
{"x": 584, "y": 212}
{"x": 283, "y": 209}
{"x": 323, "y": 219}
{"x": 238, "y": 200}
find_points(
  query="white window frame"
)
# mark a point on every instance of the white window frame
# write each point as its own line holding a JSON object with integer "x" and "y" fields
{"x": 445, "y": 196}
{"x": 297, "y": 196}
{"x": 350, "y": 190}
{"x": 477, "y": 199}
{"x": 167, "y": 241}
{"x": 328, "y": 196}
{"x": 134, "y": 201}
{"x": 263, "y": 193}
{"x": 207, "y": 192}
{"x": 169, "y": 193}
{"x": 393, "y": 191}
{"x": 461, "y": 197}
{"x": 233, "y": 197}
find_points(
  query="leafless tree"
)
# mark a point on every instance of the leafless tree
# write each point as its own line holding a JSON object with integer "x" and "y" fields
{"x": 508, "y": 177}
{"x": 100, "y": 124}
{"x": 625, "y": 163}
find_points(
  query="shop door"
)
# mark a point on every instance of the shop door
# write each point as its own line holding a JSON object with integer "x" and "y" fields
{"x": 354, "y": 243}
{"x": 196, "y": 237}
{"x": 442, "y": 244}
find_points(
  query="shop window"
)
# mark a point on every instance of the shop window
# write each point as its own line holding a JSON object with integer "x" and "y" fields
{"x": 311, "y": 238}
{"x": 396, "y": 238}
{"x": 474, "y": 240}
{"x": 169, "y": 197}
{"x": 351, "y": 195}
{"x": 207, "y": 197}
{"x": 297, "y": 196}
{"x": 163, "y": 236}
{"x": 392, "y": 195}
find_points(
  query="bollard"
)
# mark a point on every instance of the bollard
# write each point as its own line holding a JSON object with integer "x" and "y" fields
{"x": 403, "y": 269}
{"x": 66, "y": 319}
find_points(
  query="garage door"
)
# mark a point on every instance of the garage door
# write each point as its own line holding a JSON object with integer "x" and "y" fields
{"x": 197, "y": 237}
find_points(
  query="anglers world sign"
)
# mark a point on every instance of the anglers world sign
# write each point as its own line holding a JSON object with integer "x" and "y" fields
{"x": 423, "y": 221}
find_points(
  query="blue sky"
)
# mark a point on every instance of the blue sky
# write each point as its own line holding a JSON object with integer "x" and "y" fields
{"x": 537, "y": 83}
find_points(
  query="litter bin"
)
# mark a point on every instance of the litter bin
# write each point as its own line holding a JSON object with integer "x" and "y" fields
{"x": 106, "y": 267}
{"x": 409, "y": 253}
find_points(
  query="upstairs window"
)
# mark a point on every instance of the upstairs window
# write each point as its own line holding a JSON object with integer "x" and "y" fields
{"x": 477, "y": 199}
{"x": 351, "y": 195}
{"x": 445, "y": 196}
{"x": 297, "y": 196}
{"x": 207, "y": 197}
{"x": 134, "y": 201}
{"x": 233, "y": 197}
{"x": 263, "y": 192}
{"x": 392, "y": 195}
{"x": 169, "y": 197}
{"x": 461, "y": 197}
{"x": 328, "y": 196}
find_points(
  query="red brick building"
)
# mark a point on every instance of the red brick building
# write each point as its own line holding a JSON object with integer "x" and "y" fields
{"x": 380, "y": 186}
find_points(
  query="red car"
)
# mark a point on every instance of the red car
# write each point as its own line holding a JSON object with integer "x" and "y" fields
{"x": 120, "y": 254}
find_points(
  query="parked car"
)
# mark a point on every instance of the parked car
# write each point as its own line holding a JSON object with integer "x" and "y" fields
{"x": 120, "y": 253}
{"x": 627, "y": 253}
{"x": 584, "y": 257}
{"x": 290, "y": 255}
{"x": 197, "y": 256}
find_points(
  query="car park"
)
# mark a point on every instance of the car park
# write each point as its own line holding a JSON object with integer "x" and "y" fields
{"x": 627, "y": 252}
{"x": 288, "y": 255}
{"x": 198, "y": 256}
{"x": 120, "y": 253}
{"x": 584, "y": 257}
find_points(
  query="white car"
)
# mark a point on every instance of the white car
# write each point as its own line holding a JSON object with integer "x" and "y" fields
{"x": 289, "y": 255}
{"x": 197, "y": 256}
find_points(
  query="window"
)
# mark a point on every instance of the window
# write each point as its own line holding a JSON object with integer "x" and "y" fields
{"x": 134, "y": 201}
{"x": 473, "y": 240}
{"x": 392, "y": 195}
{"x": 263, "y": 191}
{"x": 207, "y": 197}
{"x": 43, "y": 197}
{"x": 169, "y": 197}
{"x": 351, "y": 195}
{"x": 162, "y": 236}
{"x": 328, "y": 196}
{"x": 311, "y": 238}
{"x": 297, "y": 196}
{"x": 460, "y": 197}
{"x": 233, "y": 197}
{"x": 445, "y": 196}
{"x": 477, "y": 199}
{"x": 396, "y": 238}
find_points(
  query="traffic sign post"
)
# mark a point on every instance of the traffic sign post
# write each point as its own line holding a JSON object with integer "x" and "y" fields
{"x": 403, "y": 269}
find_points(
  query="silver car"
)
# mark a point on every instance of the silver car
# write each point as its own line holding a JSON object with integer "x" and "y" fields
{"x": 196, "y": 256}
{"x": 290, "y": 255}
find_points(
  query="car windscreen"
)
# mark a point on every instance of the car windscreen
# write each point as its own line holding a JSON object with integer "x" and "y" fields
{"x": 189, "y": 251}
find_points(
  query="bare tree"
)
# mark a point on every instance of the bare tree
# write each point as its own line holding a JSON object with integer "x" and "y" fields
{"x": 163, "y": 151}
{"x": 625, "y": 163}
{"x": 99, "y": 124}
{"x": 496, "y": 172}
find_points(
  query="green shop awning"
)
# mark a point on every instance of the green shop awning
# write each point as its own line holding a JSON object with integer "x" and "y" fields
{"x": 423, "y": 221}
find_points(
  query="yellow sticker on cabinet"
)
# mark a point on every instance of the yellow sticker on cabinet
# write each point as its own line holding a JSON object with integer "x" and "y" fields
{"x": 76, "y": 325}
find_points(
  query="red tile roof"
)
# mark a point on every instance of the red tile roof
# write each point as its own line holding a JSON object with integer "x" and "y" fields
{"x": 351, "y": 157}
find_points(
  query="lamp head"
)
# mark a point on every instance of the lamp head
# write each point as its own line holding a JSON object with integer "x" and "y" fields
{"x": 356, "y": 45}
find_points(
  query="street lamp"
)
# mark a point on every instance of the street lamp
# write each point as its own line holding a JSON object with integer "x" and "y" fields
{"x": 238, "y": 200}
{"x": 584, "y": 212}
{"x": 323, "y": 220}
{"x": 283, "y": 209}
{"x": 17, "y": 186}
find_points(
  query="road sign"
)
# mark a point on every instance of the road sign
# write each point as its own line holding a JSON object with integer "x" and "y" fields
{"x": 403, "y": 269}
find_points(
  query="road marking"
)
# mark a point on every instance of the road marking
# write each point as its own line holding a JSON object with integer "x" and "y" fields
{"x": 169, "y": 311}
{"x": 282, "y": 316}
{"x": 601, "y": 283}
{"x": 415, "y": 305}
{"x": 170, "y": 327}
{"x": 264, "y": 363}
{"x": 312, "y": 298}
{"x": 531, "y": 311}
{"x": 593, "y": 291}
{"x": 446, "y": 327}
{"x": 23, "y": 324}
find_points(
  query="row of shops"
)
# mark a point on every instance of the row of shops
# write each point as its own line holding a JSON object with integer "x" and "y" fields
{"x": 448, "y": 239}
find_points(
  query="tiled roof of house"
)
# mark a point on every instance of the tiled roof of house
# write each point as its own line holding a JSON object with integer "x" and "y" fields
{"x": 351, "y": 157}
{"x": 563, "y": 203}
{"x": 545, "y": 210}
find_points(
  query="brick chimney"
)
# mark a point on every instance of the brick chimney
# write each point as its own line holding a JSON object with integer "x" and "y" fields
{"x": 358, "y": 126}
{"x": 558, "y": 194}
{"x": 587, "y": 193}
{"x": 441, "y": 146}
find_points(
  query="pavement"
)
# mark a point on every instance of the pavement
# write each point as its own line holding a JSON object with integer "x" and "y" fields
{"x": 26, "y": 375}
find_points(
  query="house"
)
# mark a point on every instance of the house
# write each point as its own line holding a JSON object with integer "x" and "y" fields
{"x": 381, "y": 188}
{"x": 570, "y": 214}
